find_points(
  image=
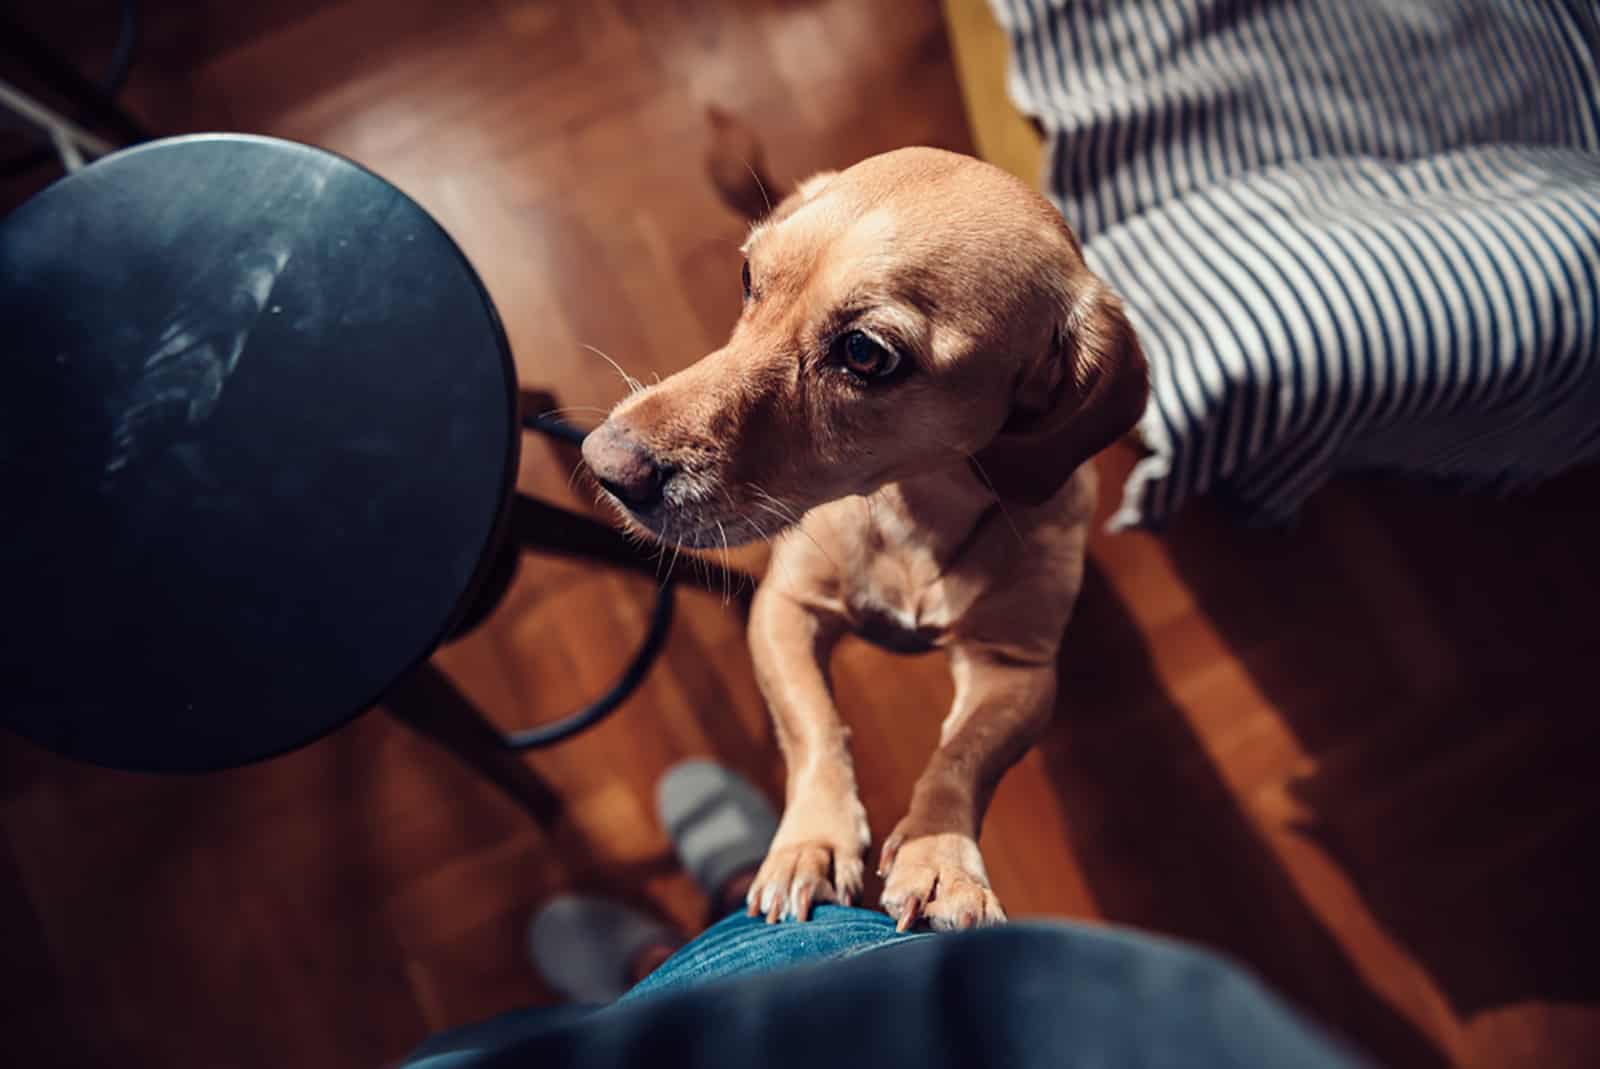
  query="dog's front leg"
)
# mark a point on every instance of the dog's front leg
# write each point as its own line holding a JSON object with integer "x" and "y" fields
{"x": 816, "y": 855}
{"x": 931, "y": 863}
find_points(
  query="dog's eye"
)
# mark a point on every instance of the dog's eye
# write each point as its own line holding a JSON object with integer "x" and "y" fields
{"x": 865, "y": 358}
{"x": 746, "y": 278}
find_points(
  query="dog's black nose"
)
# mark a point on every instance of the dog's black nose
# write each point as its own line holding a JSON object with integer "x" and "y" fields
{"x": 624, "y": 467}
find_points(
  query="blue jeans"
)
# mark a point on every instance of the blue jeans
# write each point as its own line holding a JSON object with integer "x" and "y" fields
{"x": 845, "y": 989}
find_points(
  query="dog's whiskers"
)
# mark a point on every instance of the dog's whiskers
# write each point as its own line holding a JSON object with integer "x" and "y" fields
{"x": 727, "y": 551}
{"x": 786, "y": 523}
{"x": 564, "y": 409}
{"x": 781, "y": 507}
{"x": 775, "y": 560}
{"x": 633, "y": 384}
{"x": 572, "y": 480}
{"x": 677, "y": 546}
{"x": 790, "y": 518}
{"x": 727, "y": 566}
{"x": 998, "y": 500}
{"x": 702, "y": 568}
{"x": 783, "y": 521}
{"x": 787, "y": 516}
{"x": 759, "y": 185}
{"x": 654, "y": 547}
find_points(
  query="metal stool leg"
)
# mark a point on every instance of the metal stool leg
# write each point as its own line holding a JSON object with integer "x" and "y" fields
{"x": 71, "y": 141}
{"x": 430, "y": 704}
{"x": 59, "y": 76}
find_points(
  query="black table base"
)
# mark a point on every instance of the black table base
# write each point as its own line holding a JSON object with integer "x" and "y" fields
{"x": 264, "y": 425}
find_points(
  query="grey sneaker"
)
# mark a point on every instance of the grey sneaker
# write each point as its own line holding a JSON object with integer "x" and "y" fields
{"x": 585, "y": 947}
{"x": 719, "y": 822}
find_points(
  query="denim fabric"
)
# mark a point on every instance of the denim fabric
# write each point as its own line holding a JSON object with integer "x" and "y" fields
{"x": 845, "y": 991}
{"x": 734, "y": 946}
{"x": 738, "y": 945}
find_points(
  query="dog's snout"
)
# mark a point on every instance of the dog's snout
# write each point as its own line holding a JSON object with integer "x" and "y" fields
{"x": 624, "y": 466}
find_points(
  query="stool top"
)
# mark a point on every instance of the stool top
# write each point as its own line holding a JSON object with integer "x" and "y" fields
{"x": 257, "y": 436}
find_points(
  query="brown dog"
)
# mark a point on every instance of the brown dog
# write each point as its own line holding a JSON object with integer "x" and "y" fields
{"x": 923, "y": 366}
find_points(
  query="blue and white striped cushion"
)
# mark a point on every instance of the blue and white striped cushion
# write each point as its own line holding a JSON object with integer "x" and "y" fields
{"x": 1359, "y": 234}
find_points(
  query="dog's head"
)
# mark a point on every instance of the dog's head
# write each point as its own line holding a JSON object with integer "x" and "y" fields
{"x": 920, "y": 310}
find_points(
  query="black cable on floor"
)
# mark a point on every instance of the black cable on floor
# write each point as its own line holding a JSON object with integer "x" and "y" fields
{"x": 600, "y": 708}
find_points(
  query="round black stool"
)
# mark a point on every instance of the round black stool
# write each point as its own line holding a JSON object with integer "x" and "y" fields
{"x": 258, "y": 445}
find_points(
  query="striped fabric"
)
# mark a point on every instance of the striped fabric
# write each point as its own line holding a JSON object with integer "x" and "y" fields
{"x": 1352, "y": 234}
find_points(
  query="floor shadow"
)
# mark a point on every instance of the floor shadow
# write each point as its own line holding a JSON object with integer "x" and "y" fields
{"x": 1164, "y": 847}
{"x": 1432, "y": 654}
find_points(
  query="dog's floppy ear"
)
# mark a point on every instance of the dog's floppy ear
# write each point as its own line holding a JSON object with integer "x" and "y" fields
{"x": 1086, "y": 391}
{"x": 737, "y": 165}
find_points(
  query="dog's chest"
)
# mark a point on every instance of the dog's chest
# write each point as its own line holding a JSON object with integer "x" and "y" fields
{"x": 895, "y": 629}
{"x": 899, "y": 597}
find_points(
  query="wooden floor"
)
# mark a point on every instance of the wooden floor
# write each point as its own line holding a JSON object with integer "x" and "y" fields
{"x": 1359, "y": 756}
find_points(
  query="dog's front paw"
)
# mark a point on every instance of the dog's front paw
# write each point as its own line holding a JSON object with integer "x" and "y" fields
{"x": 815, "y": 857}
{"x": 938, "y": 878}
